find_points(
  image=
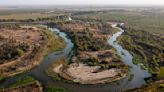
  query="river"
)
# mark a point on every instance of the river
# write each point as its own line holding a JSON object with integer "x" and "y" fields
{"x": 39, "y": 72}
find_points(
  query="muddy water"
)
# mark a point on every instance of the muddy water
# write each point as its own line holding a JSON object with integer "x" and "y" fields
{"x": 127, "y": 83}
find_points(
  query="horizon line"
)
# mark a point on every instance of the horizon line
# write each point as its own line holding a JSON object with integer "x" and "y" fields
{"x": 128, "y": 5}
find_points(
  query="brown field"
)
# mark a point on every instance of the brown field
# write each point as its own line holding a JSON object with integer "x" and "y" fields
{"x": 27, "y": 16}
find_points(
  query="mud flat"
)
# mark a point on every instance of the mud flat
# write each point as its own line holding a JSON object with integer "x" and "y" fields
{"x": 83, "y": 74}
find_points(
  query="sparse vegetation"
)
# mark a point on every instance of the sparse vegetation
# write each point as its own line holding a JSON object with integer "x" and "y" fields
{"x": 151, "y": 87}
{"x": 143, "y": 35}
{"x": 25, "y": 53}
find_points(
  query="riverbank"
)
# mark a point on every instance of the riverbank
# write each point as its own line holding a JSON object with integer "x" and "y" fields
{"x": 25, "y": 84}
{"x": 147, "y": 52}
{"x": 40, "y": 42}
{"x": 90, "y": 64}
{"x": 156, "y": 86}
{"x": 83, "y": 74}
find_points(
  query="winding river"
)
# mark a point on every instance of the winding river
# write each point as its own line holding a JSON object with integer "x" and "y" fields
{"x": 127, "y": 83}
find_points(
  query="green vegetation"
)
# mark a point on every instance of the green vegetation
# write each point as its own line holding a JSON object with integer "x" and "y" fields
{"x": 143, "y": 36}
{"x": 50, "y": 70}
{"x": 92, "y": 61}
{"x": 87, "y": 42}
{"x": 131, "y": 77}
{"x": 55, "y": 43}
{"x": 122, "y": 53}
{"x": 11, "y": 51}
{"x": 161, "y": 74}
{"x": 157, "y": 86}
{"x": 135, "y": 61}
{"x": 140, "y": 20}
{"x": 149, "y": 50}
{"x": 56, "y": 89}
{"x": 9, "y": 26}
{"x": 2, "y": 78}
{"x": 143, "y": 67}
{"x": 23, "y": 81}
{"x": 86, "y": 38}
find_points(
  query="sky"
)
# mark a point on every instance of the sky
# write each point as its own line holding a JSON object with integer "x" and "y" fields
{"x": 82, "y": 2}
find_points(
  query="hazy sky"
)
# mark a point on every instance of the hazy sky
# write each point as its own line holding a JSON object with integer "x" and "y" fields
{"x": 83, "y": 2}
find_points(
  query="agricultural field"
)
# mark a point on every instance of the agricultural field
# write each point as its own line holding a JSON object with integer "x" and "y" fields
{"x": 22, "y": 14}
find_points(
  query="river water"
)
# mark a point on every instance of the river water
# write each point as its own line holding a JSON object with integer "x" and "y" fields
{"x": 39, "y": 72}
